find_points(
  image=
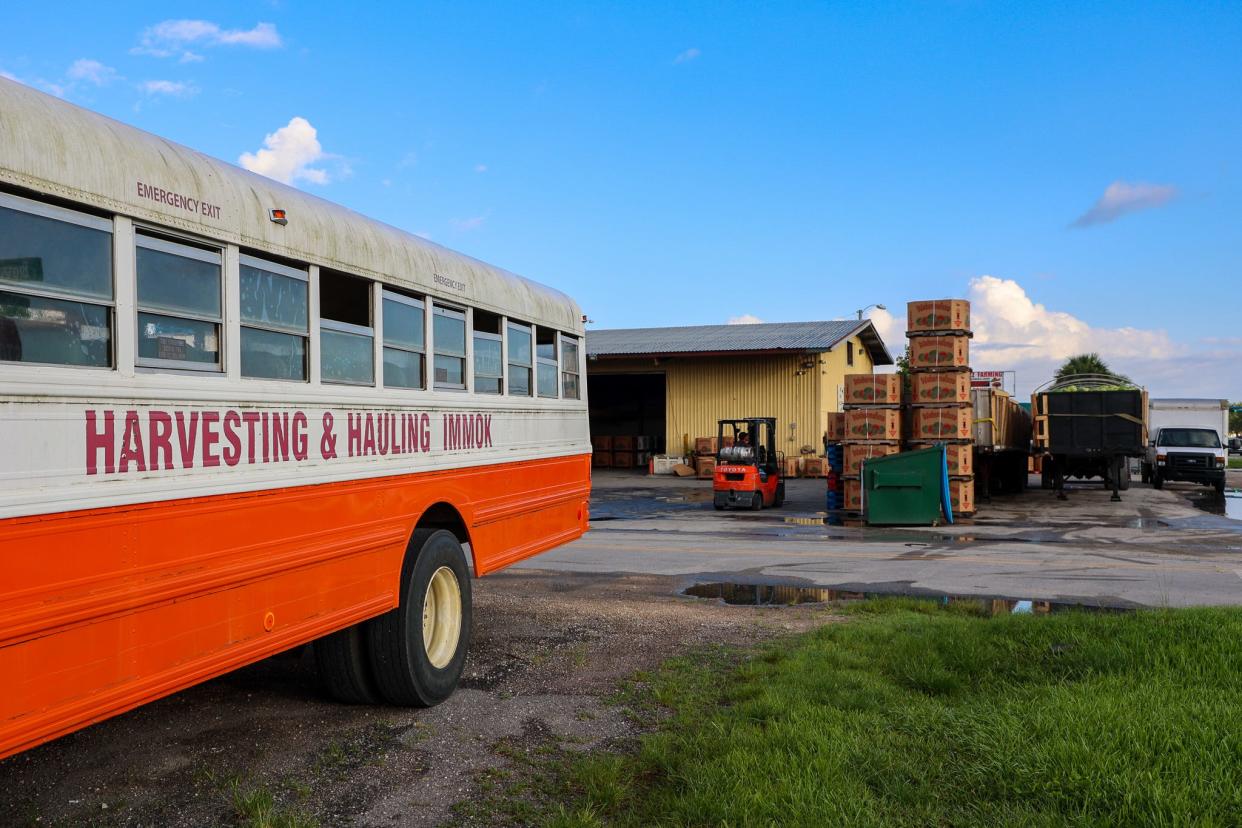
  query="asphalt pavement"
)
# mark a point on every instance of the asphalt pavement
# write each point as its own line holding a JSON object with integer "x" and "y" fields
{"x": 1174, "y": 547}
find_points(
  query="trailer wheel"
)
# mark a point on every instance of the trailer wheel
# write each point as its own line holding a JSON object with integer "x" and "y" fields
{"x": 418, "y": 650}
{"x": 1124, "y": 482}
{"x": 344, "y": 667}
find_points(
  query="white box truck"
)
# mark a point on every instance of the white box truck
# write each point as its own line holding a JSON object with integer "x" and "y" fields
{"x": 1187, "y": 442}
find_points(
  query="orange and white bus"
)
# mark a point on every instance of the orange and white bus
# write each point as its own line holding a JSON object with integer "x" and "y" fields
{"x": 236, "y": 418}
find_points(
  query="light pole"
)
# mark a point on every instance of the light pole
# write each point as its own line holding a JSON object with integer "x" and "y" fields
{"x": 877, "y": 306}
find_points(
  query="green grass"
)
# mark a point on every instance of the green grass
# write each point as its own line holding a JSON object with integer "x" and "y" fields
{"x": 911, "y": 714}
{"x": 256, "y": 807}
{"x": 1235, "y": 462}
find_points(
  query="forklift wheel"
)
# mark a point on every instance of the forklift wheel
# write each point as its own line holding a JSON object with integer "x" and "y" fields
{"x": 756, "y": 502}
{"x": 718, "y": 506}
{"x": 779, "y": 500}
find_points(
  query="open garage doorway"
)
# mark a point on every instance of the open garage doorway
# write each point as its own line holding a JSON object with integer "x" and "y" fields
{"x": 630, "y": 407}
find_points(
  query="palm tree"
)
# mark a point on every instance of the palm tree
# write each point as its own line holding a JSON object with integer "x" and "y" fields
{"x": 1085, "y": 364}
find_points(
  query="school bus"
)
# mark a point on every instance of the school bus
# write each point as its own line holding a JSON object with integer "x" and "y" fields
{"x": 236, "y": 418}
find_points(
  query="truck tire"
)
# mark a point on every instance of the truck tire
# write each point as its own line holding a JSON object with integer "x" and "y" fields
{"x": 1145, "y": 473}
{"x": 344, "y": 667}
{"x": 1219, "y": 486}
{"x": 418, "y": 650}
{"x": 1157, "y": 482}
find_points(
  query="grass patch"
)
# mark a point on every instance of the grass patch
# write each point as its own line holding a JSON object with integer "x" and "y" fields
{"x": 1235, "y": 462}
{"x": 257, "y": 807}
{"x": 915, "y": 714}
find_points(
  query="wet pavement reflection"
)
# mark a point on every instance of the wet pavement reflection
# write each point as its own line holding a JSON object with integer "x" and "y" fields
{"x": 777, "y": 595}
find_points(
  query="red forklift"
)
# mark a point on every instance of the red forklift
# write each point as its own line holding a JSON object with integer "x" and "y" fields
{"x": 748, "y": 467}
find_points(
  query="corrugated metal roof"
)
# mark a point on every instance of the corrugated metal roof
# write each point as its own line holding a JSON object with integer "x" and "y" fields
{"x": 766, "y": 336}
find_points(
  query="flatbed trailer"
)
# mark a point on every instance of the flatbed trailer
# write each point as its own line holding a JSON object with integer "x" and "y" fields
{"x": 1002, "y": 443}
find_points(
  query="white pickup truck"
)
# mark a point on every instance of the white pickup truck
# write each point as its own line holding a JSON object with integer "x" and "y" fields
{"x": 1187, "y": 442}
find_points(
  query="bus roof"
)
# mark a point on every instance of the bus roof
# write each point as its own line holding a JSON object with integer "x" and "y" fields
{"x": 53, "y": 147}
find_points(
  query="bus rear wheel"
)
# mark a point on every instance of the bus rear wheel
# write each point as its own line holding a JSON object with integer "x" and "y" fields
{"x": 344, "y": 666}
{"x": 418, "y": 650}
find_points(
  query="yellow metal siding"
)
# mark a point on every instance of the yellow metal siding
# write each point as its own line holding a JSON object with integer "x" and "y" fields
{"x": 832, "y": 376}
{"x": 704, "y": 390}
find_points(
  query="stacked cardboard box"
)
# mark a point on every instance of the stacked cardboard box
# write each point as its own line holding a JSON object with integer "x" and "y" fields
{"x": 941, "y": 412}
{"x": 873, "y": 427}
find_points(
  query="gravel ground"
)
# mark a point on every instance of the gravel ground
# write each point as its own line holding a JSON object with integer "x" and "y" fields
{"x": 548, "y": 650}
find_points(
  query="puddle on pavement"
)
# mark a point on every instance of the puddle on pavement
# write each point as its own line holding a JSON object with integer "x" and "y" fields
{"x": 776, "y": 595}
{"x": 763, "y": 594}
{"x": 1229, "y": 505}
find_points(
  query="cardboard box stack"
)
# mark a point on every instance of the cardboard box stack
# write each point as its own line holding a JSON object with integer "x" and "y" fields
{"x": 872, "y": 428}
{"x": 941, "y": 410}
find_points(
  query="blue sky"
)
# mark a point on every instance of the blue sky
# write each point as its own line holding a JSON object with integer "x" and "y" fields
{"x": 693, "y": 163}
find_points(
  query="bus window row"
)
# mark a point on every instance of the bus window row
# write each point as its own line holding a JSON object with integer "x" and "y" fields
{"x": 57, "y": 306}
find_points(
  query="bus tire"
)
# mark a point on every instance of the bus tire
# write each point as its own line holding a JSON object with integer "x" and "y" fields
{"x": 418, "y": 650}
{"x": 344, "y": 666}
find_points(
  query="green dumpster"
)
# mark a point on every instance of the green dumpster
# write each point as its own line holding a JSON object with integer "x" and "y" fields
{"x": 907, "y": 489}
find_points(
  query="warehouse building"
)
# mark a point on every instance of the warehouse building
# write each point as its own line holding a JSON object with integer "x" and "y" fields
{"x": 670, "y": 385}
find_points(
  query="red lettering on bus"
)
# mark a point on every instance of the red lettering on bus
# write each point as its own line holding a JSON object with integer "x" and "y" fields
{"x": 368, "y": 437}
{"x": 96, "y": 442}
{"x": 232, "y": 452}
{"x": 301, "y": 445}
{"x": 354, "y": 434}
{"x": 280, "y": 436}
{"x": 251, "y": 419}
{"x": 381, "y": 439}
{"x": 131, "y": 444}
{"x": 211, "y": 437}
{"x": 160, "y": 440}
{"x": 187, "y": 438}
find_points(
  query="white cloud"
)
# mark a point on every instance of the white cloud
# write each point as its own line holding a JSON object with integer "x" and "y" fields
{"x": 288, "y": 154}
{"x": 687, "y": 56}
{"x": 745, "y": 319}
{"x": 91, "y": 71}
{"x": 892, "y": 329}
{"x": 408, "y": 160}
{"x": 1015, "y": 333}
{"x": 480, "y": 168}
{"x": 1121, "y": 198}
{"x": 173, "y": 89}
{"x": 173, "y": 37}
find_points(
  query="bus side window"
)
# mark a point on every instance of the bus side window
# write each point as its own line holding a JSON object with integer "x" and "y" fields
{"x": 404, "y": 341}
{"x": 488, "y": 363}
{"x": 346, "y": 336}
{"x": 449, "y": 340}
{"x": 521, "y": 359}
{"x": 179, "y": 304}
{"x": 545, "y": 358}
{"x": 570, "y": 383}
{"x": 56, "y": 299}
{"x": 274, "y": 319}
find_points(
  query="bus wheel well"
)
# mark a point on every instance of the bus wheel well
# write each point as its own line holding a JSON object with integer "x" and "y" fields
{"x": 445, "y": 516}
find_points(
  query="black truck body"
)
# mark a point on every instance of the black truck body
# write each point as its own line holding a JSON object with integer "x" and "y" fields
{"x": 1089, "y": 433}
